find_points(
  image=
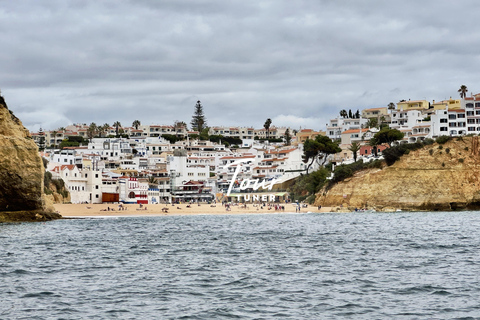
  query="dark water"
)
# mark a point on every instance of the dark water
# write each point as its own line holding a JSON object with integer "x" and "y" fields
{"x": 310, "y": 266}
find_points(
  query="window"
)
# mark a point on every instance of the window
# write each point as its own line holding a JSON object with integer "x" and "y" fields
{"x": 470, "y": 113}
{"x": 96, "y": 175}
{"x": 96, "y": 196}
{"x": 452, "y": 116}
{"x": 469, "y": 105}
{"x": 443, "y": 129}
{"x": 471, "y": 128}
{"x": 443, "y": 120}
{"x": 96, "y": 187}
{"x": 461, "y": 116}
{"x": 470, "y": 121}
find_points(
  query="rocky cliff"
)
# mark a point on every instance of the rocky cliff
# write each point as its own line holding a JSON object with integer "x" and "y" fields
{"x": 21, "y": 172}
{"x": 437, "y": 177}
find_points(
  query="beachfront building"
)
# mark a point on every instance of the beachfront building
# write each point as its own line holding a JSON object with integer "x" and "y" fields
{"x": 85, "y": 186}
{"x": 131, "y": 190}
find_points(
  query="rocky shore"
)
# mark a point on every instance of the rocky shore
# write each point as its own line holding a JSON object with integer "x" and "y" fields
{"x": 437, "y": 177}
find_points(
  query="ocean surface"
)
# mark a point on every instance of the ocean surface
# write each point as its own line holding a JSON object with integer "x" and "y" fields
{"x": 285, "y": 266}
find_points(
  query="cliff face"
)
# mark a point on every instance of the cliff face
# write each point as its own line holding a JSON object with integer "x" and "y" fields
{"x": 21, "y": 167}
{"x": 437, "y": 177}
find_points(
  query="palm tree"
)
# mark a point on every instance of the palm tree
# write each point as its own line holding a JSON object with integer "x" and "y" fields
{"x": 117, "y": 124}
{"x": 92, "y": 130}
{"x": 54, "y": 132}
{"x": 343, "y": 113}
{"x": 136, "y": 124}
{"x": 391, "y": 106}
{"x": 105, "y": 128}
{"x": 152, "y": 182}
{"x": 373, "y": 143}
{"x": 463, "y": 91}
{"x": 354, "y": 148}
{"x": 266, "y": 125}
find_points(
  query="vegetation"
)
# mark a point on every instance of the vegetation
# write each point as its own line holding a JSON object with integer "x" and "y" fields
{"x": 388, "y": 136}
{"x": 306, "y": 186}
{"x": 355, "y": 147}
{"x": 72, "y": 141}
{"x": 391, "y": 106}
{"x": 267, "y": 125}
{"x": 320, "y": 148}
{"x": 288, "y": 137}
{"x": 463, "y": 91}
{"x": 199, "y": 122}
{"x": 392, "y": 154}
{"x": 443, "y": 139}
{"x": 345, "y": 171}
{"x": 136, "y": 124}
{"x": 225, "y": 140}
{"x": 117, "y": 125}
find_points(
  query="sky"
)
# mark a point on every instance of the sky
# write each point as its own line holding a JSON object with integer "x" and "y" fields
{"x": 296, "y": 62}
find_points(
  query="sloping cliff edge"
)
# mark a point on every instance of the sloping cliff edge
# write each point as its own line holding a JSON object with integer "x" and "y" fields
{"x": 21, "y": 173}
{"x": 436, "y": 177}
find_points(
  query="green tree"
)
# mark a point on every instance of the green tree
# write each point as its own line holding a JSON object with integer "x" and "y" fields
{"x": 117, "y": 125}
{"x": 288, "y": 137}
{"x": 355, "y": 147}
{"x": 391, "y": 106}
{"x": 389, "y": 136}
{"x": 104, "y": 129}
{"x": 54, "y": 132}
{"x": 136, "y": 124}
{"x": 343, "y": 113}
{"x": 152, "y": 182}
{"x": 319, "y": 148}
{"x": 198, "y": 119}
{"x": 267, "y": 125}
{"x": 92, "y": 131}
{"x": 463, "y": 91}
{"x": 350, "y": 115}
{"x": 357, "y": 114}
{"x": 372, "y": 123}
{"x": 374, "y": 144}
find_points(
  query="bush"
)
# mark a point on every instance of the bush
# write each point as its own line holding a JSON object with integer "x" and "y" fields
{"x": 430, "y": 151}
{"x": 428, "y": 141}
{"x": 443, "y": 139}
{"x": 447, "y": 150}
{"x": 443, "y": 164}
{"x": 440, "y": 147}
{"x": 47, "y": 178}
{"x": 461, "y": 160}
{"x": 466, "y": 149}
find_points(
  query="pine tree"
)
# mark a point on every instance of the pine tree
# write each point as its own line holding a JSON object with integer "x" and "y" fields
{"x": 199, "y": 122}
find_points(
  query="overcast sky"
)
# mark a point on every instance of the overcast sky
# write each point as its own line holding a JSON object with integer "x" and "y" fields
{"x": 296, "y": 62}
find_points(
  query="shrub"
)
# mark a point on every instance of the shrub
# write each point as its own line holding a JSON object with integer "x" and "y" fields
{"x": 440, "y": 147}
{"x": 443, "y": 164}
{"x": 466, "y": 149}
{"x": 430, "y": 151}
{"x": 447, "y": 150}
{"x": 443, "y": 139}
{"x": 461, "y": 160}
{"x": 428, "y": 141}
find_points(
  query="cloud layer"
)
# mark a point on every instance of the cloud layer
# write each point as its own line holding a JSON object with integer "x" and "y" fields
{"x": 298, "y": 63}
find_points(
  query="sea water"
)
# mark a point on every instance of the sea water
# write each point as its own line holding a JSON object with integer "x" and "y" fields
{"x": 273, "y": 266}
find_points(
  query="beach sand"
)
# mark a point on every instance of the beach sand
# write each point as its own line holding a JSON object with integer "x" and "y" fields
{"x": 92, "y": 210}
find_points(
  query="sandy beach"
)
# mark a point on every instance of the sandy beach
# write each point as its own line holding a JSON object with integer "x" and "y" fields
{"x": 92, "y": 210}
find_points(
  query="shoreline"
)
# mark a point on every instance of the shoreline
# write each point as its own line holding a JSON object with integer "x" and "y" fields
{"x": 101, "y": 210}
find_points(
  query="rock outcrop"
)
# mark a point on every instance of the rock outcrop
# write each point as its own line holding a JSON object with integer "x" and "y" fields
{"x": 21, "y": 172}
{"x": 437, "y": 177}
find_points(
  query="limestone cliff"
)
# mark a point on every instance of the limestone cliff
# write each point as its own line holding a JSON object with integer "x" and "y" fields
{"x": 437, "y": 177}
{"x": 21, "y": 170}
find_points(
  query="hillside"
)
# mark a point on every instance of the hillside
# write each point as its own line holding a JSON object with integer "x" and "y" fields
{"x": 436, "y": 177}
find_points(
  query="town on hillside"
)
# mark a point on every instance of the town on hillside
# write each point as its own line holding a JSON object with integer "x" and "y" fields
{"x": 153, "y": 164}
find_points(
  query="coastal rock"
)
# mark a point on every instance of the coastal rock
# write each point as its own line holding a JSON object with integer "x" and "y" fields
{"x": 437, "y": 177}
{"x": 21, "y": 168}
